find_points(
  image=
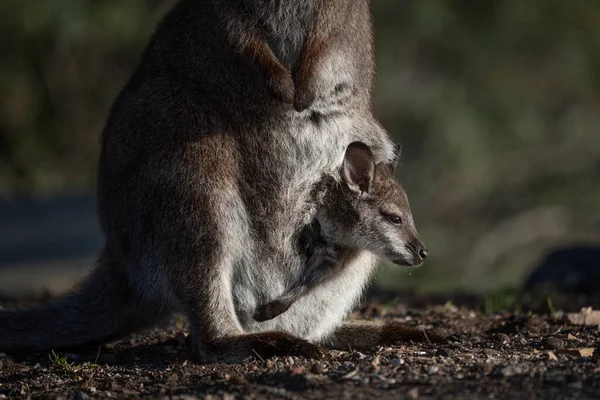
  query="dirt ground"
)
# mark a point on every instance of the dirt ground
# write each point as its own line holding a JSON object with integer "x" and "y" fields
{"x": 530, "y": 351}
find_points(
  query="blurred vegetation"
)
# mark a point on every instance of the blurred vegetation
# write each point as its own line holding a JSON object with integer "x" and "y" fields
{"x": 496, "y": 104}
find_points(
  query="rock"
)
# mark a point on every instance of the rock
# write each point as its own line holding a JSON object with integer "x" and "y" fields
{"x": 445, "y": 352}
{"x": 501, "y": 338}
{"x": 396, "y": 361}
{"x": 553, "y": 343}
{"x": 317, "y": 369}
{"x": 79, "y": 396}
{"x": 511, "y": 370}
{"x": 413, "y": 394}
{"x": 238, "y": 380}
{"x": 298, "y": 371}
{"x": 571, "y": 269}
{"x": 490, "y": 352}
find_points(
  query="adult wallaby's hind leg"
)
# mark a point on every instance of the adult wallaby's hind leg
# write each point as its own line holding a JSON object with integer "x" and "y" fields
{"x": 217, "y": 335}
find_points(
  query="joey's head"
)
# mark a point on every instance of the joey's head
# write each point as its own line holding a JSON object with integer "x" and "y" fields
{"x": 370, "y": 210}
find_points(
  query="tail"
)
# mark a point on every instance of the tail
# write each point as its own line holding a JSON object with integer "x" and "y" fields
{"x": 103, "y": 307}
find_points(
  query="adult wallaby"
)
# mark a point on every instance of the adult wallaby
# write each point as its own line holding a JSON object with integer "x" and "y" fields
{"x": 205, "y": 181}
{"x": 365, "y": 208}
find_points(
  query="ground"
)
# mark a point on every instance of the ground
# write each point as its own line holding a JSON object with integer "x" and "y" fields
{"x": 529, "y": 351}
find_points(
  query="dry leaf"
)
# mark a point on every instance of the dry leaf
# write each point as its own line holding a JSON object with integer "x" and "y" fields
{"x": 572, "y": 337}
{"x": 552, "y": 356}
{"x": 582, "y": 352}
{"x": 586, "y": 316}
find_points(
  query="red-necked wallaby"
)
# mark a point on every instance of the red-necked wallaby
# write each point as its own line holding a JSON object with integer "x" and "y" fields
{"x": 206, "y": 179}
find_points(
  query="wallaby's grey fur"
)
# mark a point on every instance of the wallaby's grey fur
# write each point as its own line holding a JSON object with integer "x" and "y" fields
{"x": 368, "y": 210}
{"x": 205, "y": 181}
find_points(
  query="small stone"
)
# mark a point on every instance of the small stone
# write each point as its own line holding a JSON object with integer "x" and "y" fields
{"x": 413, "y": 394}
{"x": 396, "y": 362}
{"x": 238, "y": 380}
{"x": 79, "y": 396}
{"x": 290, "y": 361}
{"x": 298, "y": 371}
{"x": 511, "y": 370}
{"x": 445, "y": 352}
{"x": 552, "y": 356}
{"x": 115, "y": 387}
{"x": 433, "y": 370}
{"x": 553, "y": 343}
{"x": 358, "y": 356}
{"x": 317, "y": 369}
{"x": 502, "y": 338}
{"x": 375, "y": 361}
{"x": 490, "y": 352}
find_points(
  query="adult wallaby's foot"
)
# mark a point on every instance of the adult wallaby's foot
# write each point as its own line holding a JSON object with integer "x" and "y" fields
{"x": 262, "y": 345}
{"x": 364, "y": 335}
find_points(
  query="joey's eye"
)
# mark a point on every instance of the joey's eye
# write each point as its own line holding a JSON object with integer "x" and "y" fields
{"x": 393, "y": 218}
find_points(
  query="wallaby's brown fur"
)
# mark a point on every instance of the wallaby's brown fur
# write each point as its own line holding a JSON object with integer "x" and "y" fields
{"x": 205, "y": 180}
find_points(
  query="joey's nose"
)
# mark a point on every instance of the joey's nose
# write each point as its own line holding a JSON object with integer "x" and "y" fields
{"x": 423, "y": 254}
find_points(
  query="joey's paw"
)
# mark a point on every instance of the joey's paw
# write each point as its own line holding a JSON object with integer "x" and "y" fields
{"x": 281, "y": 85}
{"x": 394, "y": 332}
{"x": 271, "y": 344}
{"x": 268, "y": 311}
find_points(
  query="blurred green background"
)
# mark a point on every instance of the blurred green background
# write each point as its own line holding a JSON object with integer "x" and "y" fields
{"x": 496, "y": 103}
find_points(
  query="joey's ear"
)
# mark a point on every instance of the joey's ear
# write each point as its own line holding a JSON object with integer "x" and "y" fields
{"x": 358, "y": 167}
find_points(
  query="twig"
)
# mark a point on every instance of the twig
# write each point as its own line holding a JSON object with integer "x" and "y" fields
{"x": 258, "y": 355}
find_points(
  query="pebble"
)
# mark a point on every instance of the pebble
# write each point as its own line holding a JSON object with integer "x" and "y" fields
{"x": 317, "y": 369}
{"x": 444, "y": 352}
{"x": 397, "y": 361}
{"x": 553, "y": 343}
{"x": 501, "y": 338}
{"x": 511, "y": 370}
{"x": 490, "y": 352}
{"x": 298, "y": 371}
{"x": 238, "y": 380}
{"x": 413, "y": 394}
